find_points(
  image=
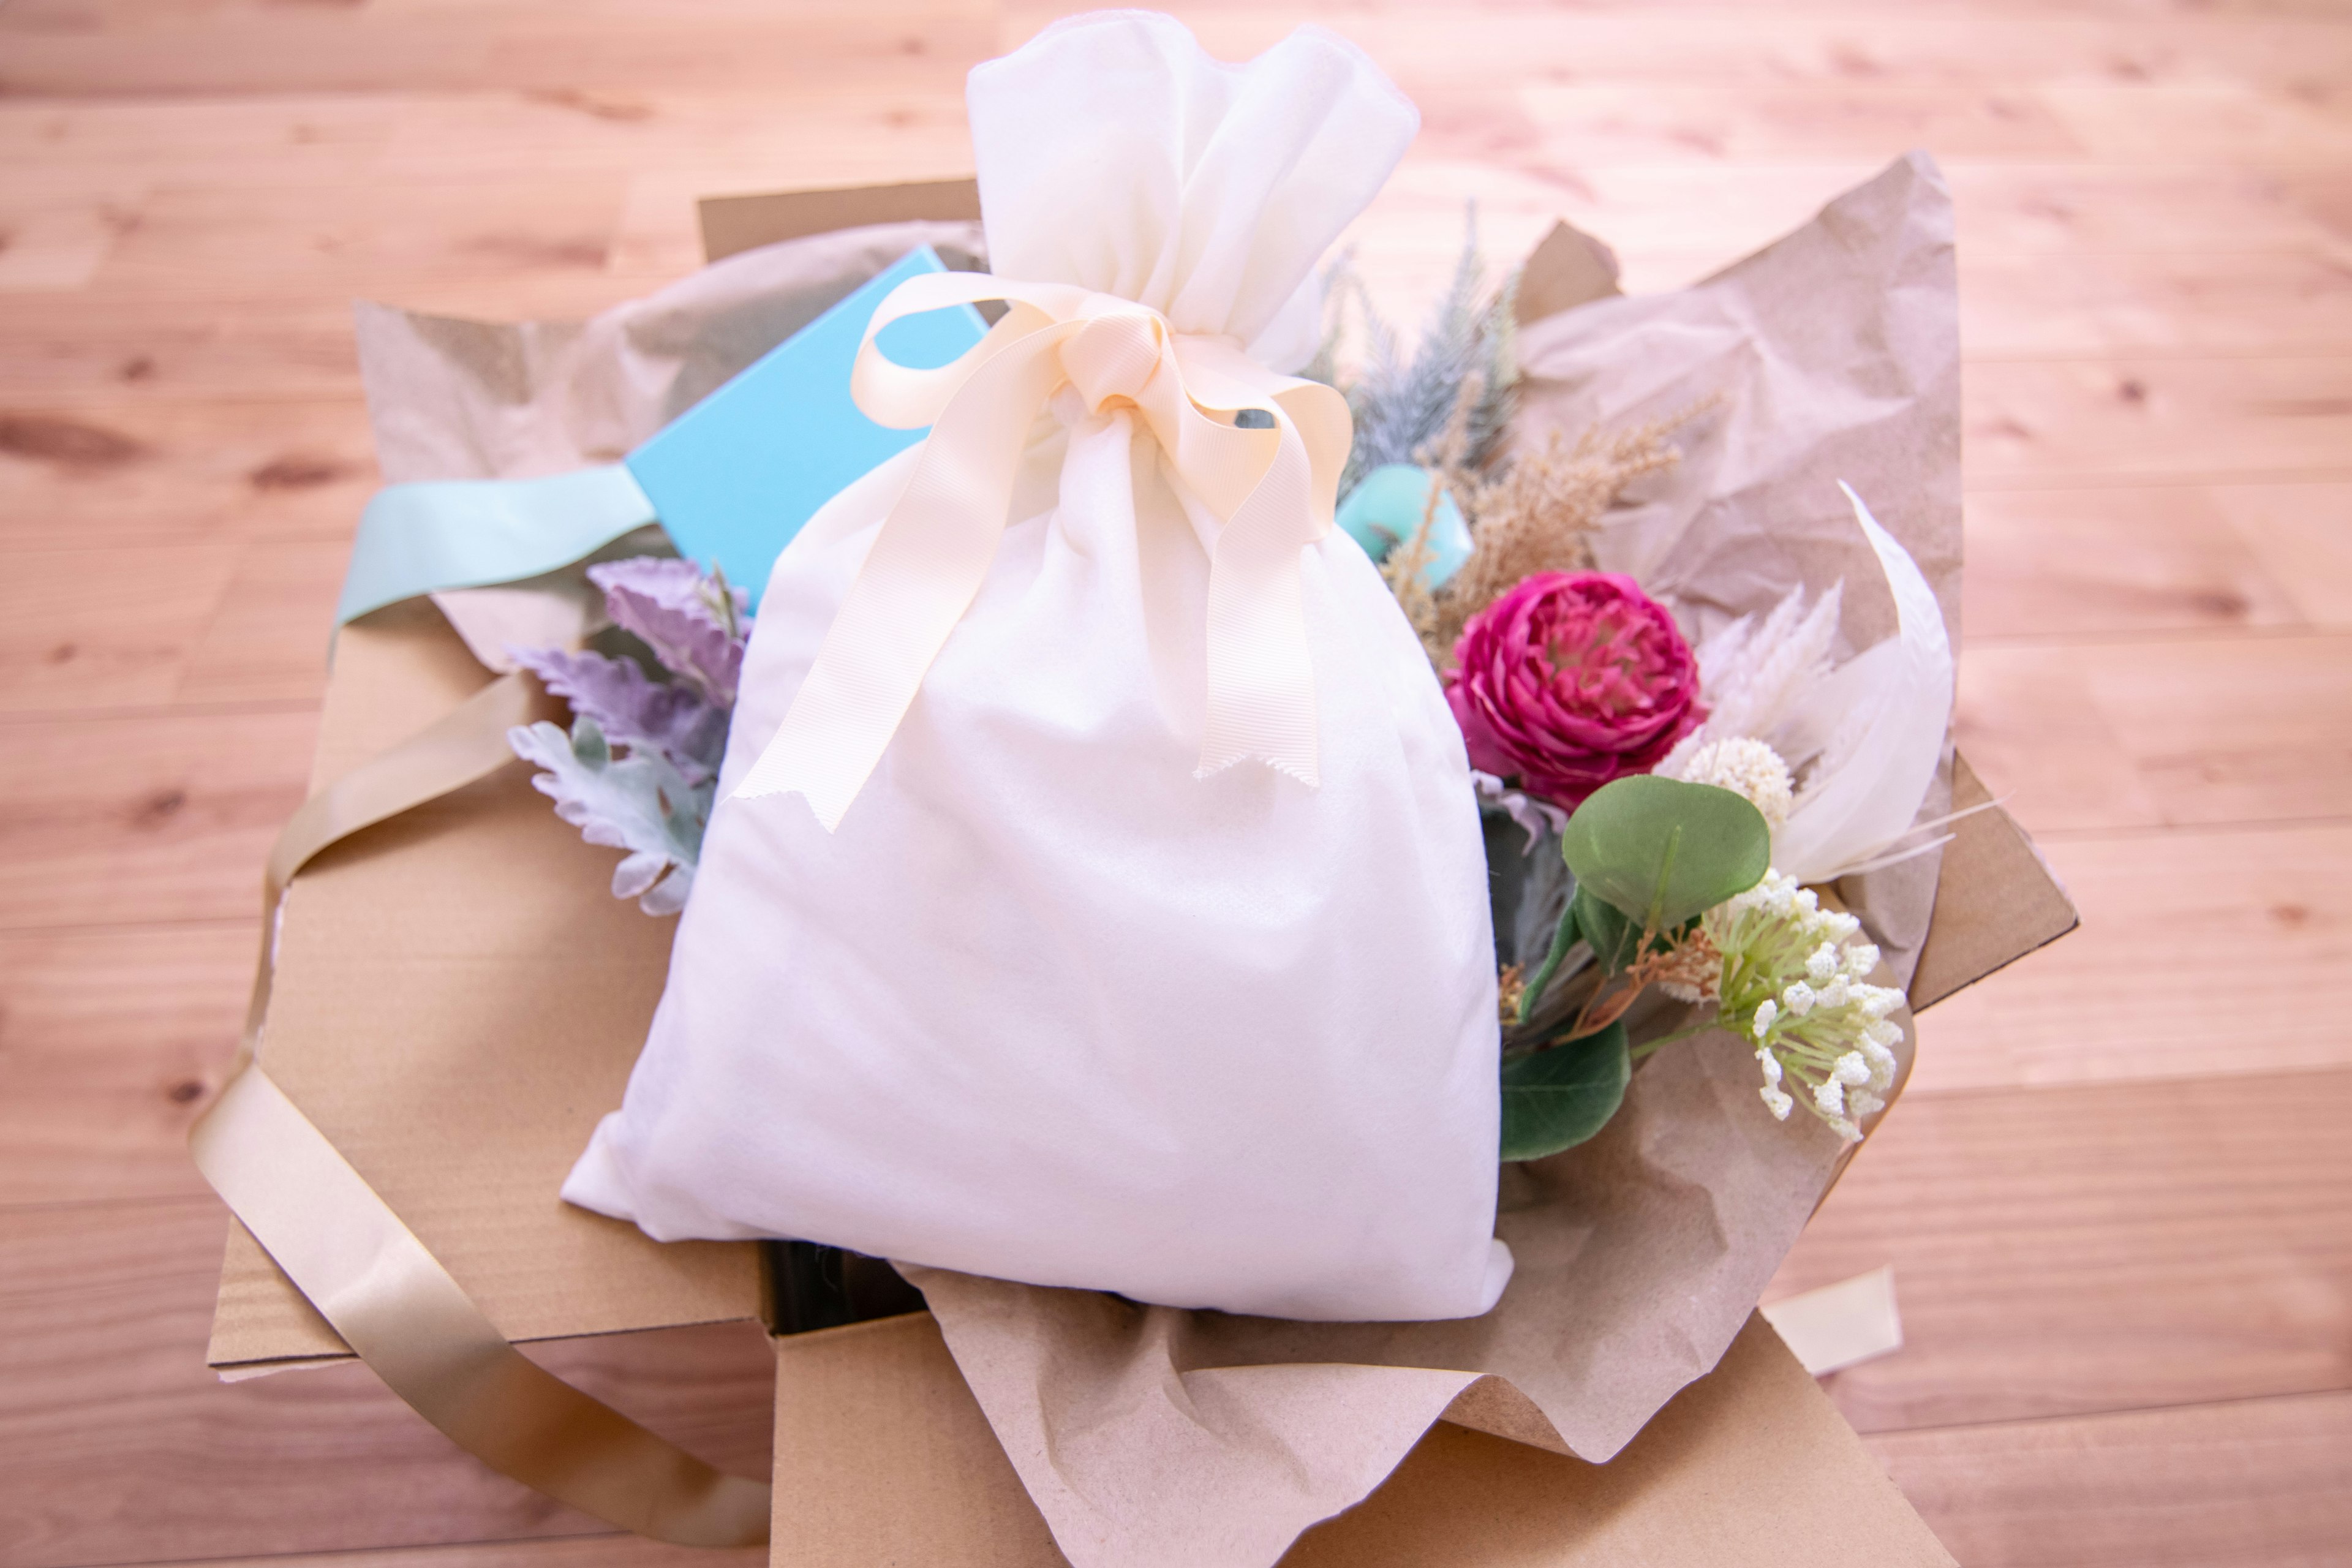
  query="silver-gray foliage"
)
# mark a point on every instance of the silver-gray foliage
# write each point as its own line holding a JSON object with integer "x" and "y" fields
{"x": 637, "y": 802}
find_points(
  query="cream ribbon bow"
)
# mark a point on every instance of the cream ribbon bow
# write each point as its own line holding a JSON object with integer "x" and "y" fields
{"x": 1274, "y": 487}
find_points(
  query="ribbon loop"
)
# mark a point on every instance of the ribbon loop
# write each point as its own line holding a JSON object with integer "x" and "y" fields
{"x": 1274, "y": 489}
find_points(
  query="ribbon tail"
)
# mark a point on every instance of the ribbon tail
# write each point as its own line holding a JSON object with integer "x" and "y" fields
{"x": 396, "y": 1306}
{"x": 925, "y": 568}
{"x": 433, "y": 536}
{"x": 1261, "y": 686}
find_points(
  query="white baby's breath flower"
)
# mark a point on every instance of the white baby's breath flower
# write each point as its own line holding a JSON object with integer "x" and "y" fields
{"x": 1792, "y": 982}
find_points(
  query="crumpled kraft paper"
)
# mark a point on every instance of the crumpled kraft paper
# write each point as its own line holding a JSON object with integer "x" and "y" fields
{"x": 1151, "y": 1438}
{"x": 453, "y": 399}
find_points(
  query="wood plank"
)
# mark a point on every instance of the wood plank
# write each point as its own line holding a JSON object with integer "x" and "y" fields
{"x": 137, "y": 474}
{"x": 200, "y": 624}
{"x": 2136, "y": 993}
{"x": 1672, "y": 224}
{"x": 268, "y": 640}
{"x": 373, "y": 237}
{"x": 2033, "y": 729}
{"x": 2303, "y": 536}
{"x": 2138, "y": 733}
{"x": 1654, "y": 122}
{"x": 158, "y": 600}
{"x": 261, "y": 49}
{"x": 2067, "y": 1251}
{"x": 117, "y": 1446}
{"x": 132, "y": 819}
{"x": 2211, "y": 121}
{"x": 1458, "y": 45}
{"x": 2129, "y": 420}
{"x": 115, "y": 1040}
{"x": 2234, "y": 730}
{"x": 2265, "y": 1481}
{"x": 207, "y": 342}
{"x": 568, "y": 1552}
{"x": 2043, "y": 564}
{"x": 2104, "y": 302}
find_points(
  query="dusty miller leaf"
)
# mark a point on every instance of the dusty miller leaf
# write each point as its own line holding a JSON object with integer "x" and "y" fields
{"x": 637, "y": 802}
{"x": 634, "y": 710}
{"x": 694, "y": 625}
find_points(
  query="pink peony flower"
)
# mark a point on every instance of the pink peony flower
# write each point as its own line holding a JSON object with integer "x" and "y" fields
{"x": 1570, "y": 679}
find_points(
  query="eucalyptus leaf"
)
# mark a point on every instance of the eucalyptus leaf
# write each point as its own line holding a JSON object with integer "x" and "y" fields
{"x": 1612, "y": 938}
{"x": 1660, "y": 851}
{"x": 1563, "y": 938}
{"x": 1557, "y": 1098}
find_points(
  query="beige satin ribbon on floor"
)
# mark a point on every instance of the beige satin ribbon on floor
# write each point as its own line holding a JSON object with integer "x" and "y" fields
{"x": 1273, "y": 487}
{"x": 392, "y": 1302}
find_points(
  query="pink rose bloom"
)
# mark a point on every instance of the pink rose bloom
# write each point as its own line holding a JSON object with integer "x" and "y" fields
{"x": 1570, "y": 679}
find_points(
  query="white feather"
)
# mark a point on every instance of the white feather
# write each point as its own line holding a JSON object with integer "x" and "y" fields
{"x": 1754, "y": 677}
{"x": 1882, "y": 718}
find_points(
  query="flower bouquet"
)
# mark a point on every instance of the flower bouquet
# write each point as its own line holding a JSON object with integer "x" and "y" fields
{"x": 1316, "y": 937}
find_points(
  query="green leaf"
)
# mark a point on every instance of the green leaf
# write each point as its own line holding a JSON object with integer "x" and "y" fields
{"x": 1563, "y": 938}
{"x": 1660, "y": 851}
{"x": 1612, "y": 938}
{"x": 1557, "y": 1098}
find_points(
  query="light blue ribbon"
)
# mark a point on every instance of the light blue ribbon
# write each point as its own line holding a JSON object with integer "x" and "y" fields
{"x": 429, "y": 537}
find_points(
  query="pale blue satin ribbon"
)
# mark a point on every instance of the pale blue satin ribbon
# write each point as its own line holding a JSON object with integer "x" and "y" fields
{"x": 429, "y": 537}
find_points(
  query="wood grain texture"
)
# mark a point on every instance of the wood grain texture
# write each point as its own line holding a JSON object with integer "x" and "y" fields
{"x": 2067, "y": 1251}
{"x": 2116, "y": 1196}
{"x": 117, "y": 1445}
{"x": 2264, "y": 1481}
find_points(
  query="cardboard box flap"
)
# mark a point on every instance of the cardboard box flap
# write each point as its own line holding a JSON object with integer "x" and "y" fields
{"x": 1996, "y": 900}
{"x": 732, "y": 223}
{"x": 883, "y": 1456}
{"x": 459, "y": 999}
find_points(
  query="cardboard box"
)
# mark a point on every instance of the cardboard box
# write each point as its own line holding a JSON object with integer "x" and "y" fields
{"x": 459, "y": 999}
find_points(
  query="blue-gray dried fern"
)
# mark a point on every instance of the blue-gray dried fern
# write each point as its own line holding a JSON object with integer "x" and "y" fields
{"x": 1401, "y": 406}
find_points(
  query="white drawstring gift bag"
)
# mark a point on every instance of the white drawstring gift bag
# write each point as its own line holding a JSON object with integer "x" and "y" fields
{"x": 1096, "y": 896}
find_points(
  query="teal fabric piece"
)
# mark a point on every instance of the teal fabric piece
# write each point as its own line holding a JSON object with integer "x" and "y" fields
{"x": 428, "y": 537}
{"x": 736, "y": 476}
{"x": 1385, "y": 508}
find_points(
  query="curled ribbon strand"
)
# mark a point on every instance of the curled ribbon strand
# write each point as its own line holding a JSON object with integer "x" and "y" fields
{"x": 1273, "y": 487}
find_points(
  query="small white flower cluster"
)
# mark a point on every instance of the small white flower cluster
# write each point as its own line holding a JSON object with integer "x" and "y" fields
{"x": 1749, "y": 768}
{"x": 1792, "y": 982}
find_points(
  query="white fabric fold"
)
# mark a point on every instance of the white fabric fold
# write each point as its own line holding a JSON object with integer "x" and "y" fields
{"x": 1046, "y": 1004}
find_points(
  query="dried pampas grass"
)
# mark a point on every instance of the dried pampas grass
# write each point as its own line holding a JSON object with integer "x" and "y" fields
{"x": 1528, "y": 513}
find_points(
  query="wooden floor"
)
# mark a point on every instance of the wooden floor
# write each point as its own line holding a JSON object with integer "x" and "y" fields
{"x": 2118, "y": 1198}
